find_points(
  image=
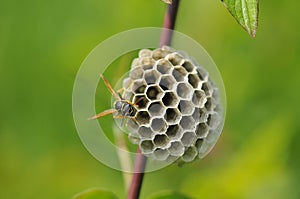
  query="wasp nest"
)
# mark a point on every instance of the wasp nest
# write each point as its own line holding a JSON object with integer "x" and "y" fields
{"x": 178, "y": 106}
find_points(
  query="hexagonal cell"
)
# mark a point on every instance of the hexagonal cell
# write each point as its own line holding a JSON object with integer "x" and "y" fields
{"x": 156, "y": 109}
{"x": 170, "y": 99}
{"x": 138, "y": 86}
{"x": 158, "y": 54}
{"x": 172, "y": 115}
{"x": 198, "y": 143}
{"x": 187, "y": 123}
{"x": 148, "y": 66}
{"x": 164, "y": 66}
{"x": 202, "y": 130}
{"x": 136, "y": 73}
{"x": 145, "y": 132}
{"x": 190, "y": 154}
{"x": 207, "y": 88}
{"x": 194, "y": 80}
{"x": 188, "y": 138}
{"x": 186, "y": 107}
{"x": 154, "y": 92}
{"x": 176, "y": 148}
{"x": 209, "y": 105}
{"x": 189, "y": 67}
{"x": 213, "y": 120}
{"x": 145, "y": 53}
{"x": 179, "y": 73}
{"x": 174, "y": 131}
{"x": 146, "y": 61}
{"x": 202, "y": 74}
{"x": 161, "y": 141}
{"x": 199, "y": 98}
{"x": 151, "y": 77}
{"x": 141, "y": 101}
{"x": 167, "y": 82}
{"x": 161, "y": 154}
{"x": 142, "y": 117}
{"x": 175, "y": 59}
{"x": 184, "y": 90}
{"x": 196, "y": 115}
{"x": 146, "y": 146}
{"x": 158, "y": 125}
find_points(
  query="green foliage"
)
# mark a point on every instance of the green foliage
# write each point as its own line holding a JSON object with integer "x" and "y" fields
{"x": 95, "y": 194}
{"x": 245, "y": 12}
{"x": 256, "y": 167}
{"x": 168, "y": 195}
{"x": 42, "y": 44}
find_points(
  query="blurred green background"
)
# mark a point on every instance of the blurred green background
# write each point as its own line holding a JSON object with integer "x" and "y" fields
{"x": 43, "y": 43}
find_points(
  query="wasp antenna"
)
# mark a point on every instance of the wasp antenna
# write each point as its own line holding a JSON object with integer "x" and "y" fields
{"x": 108, "y": 86}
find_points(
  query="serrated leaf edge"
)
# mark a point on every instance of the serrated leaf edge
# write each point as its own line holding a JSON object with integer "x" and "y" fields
{"x": 246, "y": 26}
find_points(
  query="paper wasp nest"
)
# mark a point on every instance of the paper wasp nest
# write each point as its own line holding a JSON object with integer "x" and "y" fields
{"x": 178, "y": 108}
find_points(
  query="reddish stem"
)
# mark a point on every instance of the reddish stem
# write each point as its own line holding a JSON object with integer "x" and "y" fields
{"x": 137, "y": 179}
{"x": 169, "y": 23}
{"x": 140, "y": 159}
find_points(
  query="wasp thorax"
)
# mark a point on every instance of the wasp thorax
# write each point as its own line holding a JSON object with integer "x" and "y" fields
{"x": 125, "y": 108}
{"x": 178, "y": 107}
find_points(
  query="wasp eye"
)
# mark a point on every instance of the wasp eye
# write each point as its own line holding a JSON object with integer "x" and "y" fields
{"x": 118, "y": 105}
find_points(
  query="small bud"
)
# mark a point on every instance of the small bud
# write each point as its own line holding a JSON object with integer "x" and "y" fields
{"x": 167, "y": 1}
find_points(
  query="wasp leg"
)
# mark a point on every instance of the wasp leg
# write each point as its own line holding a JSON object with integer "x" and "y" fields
{"x": 125, "y": 117}
{"x": 121, "y": 117}
{"x": 134, "y": 120}
{"x": 134, "y": 104}
{"x": 138, "y": 101}
{"x": 107, "y": 112}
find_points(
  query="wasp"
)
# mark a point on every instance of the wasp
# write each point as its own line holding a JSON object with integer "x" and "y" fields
{"x": 123, "y": 107}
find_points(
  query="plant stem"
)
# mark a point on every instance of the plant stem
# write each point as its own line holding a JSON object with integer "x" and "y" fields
{"x": 169, "y": 23}
{"x": 140, "y": 159}
{"x": 137, "y": 179}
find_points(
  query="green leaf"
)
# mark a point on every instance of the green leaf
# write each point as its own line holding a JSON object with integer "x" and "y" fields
{"x": 245, "y": 12}
{"x": 168, "y": 195}
{"x": 95, "y": 194}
